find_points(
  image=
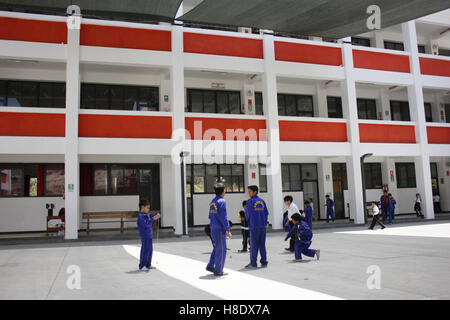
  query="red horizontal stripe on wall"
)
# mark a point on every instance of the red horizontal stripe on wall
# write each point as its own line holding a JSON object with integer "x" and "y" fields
{"x": 33, "y": 30}
{"x": 216, "y": 129}
{"x": 435, "y": 67}
{"x": 312, "y": 131}
{"x": 32, "y": 124}
{"x": 438, "y": 135}
{"x": 122, "y": 37}
{"x": 380, "y": 61}
{"x": 386, "y": 133}
{"x": 114, "y": 126}
{"x": 223, "y": 45}
{"x": 307, "y": 53}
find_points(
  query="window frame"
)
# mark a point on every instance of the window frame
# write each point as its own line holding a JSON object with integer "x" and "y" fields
{"x": 338, "y": 103}
{"x": 407, "y": 165}
{"x": 301, "y": 178}
{"x": 283, "y": 96}
{"x": 215, "y": 92}
{"x": 190, "y": 167}
{"x": 373, "y": 167}
{"x": 366, "y": 106}
{"x": 403, "y": 105}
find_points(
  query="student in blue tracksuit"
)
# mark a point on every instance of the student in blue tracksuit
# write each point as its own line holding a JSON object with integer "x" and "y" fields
{"x": 220, "y": 229}
{"x": 145, "y": 227}
{"x": 256, "y": 214}
{"x": 330, "y": 208}
{"x": 303, "y": 235}
{"x": 384, "y": 205}
{"x": 391, "y": 207}
{"x": 308, "y": 213}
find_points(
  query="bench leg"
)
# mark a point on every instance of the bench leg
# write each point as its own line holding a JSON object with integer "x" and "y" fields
{"x": 88, "y": 226}
{"x": 121, "y": 225}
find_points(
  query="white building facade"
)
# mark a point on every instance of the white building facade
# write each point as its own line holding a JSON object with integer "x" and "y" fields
{"x": 102, "y": 112}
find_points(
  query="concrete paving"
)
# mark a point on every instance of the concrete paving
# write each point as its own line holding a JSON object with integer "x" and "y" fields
{"x": 412, "y": 265}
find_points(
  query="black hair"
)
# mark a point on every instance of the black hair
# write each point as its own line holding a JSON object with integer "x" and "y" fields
{"x": 298, "y": 217}
{"x": 288, "y": 198}
{"x": 254, "y": 188}
{"x": 143, "y": 203}
{"x": 390, "y": 194}
{"x": 244, "y": 203}
{"x": 219, "y": 188}
{"x": 327, "y": 196}
{"x": 306, "y": 202}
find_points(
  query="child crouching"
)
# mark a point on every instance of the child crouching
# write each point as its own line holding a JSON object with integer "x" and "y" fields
{"x": 303, "y": 235}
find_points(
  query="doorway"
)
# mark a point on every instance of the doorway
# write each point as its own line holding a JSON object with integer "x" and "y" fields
{"x": 339, "y": 172}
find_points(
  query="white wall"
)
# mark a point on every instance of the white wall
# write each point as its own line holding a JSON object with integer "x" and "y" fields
{"x": 26, "y": 214}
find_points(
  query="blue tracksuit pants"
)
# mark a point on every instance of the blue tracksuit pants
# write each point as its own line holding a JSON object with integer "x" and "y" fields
{"x": 330, "y": 213}
{"x": 258, "y": 243}
{"x": 146, "y": 253}
{"x": 301, "y": 247}
{"x": 219, "y": 253}
{"x": 384, "y": 213}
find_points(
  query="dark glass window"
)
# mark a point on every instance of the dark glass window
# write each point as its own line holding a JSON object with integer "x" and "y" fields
{"x": 54, "y": 180}
{"x": 357, "y": 41}
{"x": 259, "y": 110}
{"x": 22, "y": 94}
{"x": 295, "y": 105}
{"x": 2, "y": 93}
{"x": 447, "y": 112}
{"x": 293, "y": 175}
{"x": 213, "y": 101}
{"x": 444, "y": 52}
{"x": 11, "y": 181}
{"x": 205, "y": 176}
{"x": 52, "y": 95}
{"x": 262, "y": 178}
{"x": 421, "y": 48}
{"x": 100, "y": 179}
{"x": 123, "y": 179}
{"x": 334, "y": 107}
{"x": 400, "y": 111}
{"x": 428, "y": 112}
{"x": 117, "y": 97}
{"x": 372, "y": 176}
{"x": 367, "y": 109}
{"x": 392, "y": 45}
{"x": 406, "y": 175}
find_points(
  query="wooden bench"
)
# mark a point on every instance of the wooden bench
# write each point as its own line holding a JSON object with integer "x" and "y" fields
{"x": 111, "y": 217}
{"x": 59, "y": 228}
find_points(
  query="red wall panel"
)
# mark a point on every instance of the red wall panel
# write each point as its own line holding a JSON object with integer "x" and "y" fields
{"x": 380, "y": 61}
{"x": 223, "y": 124}
{"x": 33, "y": 30}
{"x": 313, "y": 131}
{"x": 32, "y": 124}
{"x": 435, "y": 67}
{"x": 114, "y": 126}
{"x": 438, "y": 135}
{"x": 223, "y": 45}
{"x": 123, "y": 37}
{"x": 307, "y": 53}
{"x": 385, "y": 133}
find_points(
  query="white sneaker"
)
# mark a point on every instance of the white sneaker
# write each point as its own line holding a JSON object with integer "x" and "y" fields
{"x": 144, "y": 269}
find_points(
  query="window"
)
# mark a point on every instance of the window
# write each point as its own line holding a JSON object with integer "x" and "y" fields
{"x": 428, "y": 112}
{"x": 447, "y": 112}
{"x": 392, "y": 45}
{"x": 259, "y": 110}
{"x": 32, "y": 94}
{"x": 294, "y": 176}
{"x": 54, "y": 180}
{"x": 121, "y": 179}
{"x": 11, "y": 181}
{"x": 31, "y": 180}
{"x": 400, "y": 111}
{"x": 421, "y": 48}
{"x": 406, "y": 175}
{"x": 295, "y": 105}
{"x": 262, "y": 178}
{"x": 367, "y": 109}
{"x": 444, "y": 52}
{"x": 205, "y": 176}
{"x": 213, "y": 101}
{"x": 372, "y": 176}
{"x": 117, "y": 97}
{"x": 334, "y": 107}
{"x": 357, "y": 41}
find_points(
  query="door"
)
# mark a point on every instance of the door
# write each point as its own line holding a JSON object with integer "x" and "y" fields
{"x": 339, "y": 172}
{"x": 311, "y": 190}
{"x": 148, "y": 186}
{"x": 189, "y": 195}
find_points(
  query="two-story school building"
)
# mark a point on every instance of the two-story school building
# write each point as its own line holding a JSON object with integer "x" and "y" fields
{"x": 101, "y": 113}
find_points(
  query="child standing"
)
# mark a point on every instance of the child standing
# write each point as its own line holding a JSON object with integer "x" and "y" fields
{"x": 303, "y": 234}
{"x": 145, "y": 227}
{"x": 244, "y": 228}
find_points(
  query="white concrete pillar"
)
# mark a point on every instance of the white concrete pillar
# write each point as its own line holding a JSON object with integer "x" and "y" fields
{"x": 416, "y": 103}
{"x": 274, "y": 186}
{"x": 350, "y": 111}
{"x": 378, "y": 40}
{"x": 71, "y": 160}
{"x": 385, "y": 104}
{"x": 320, "y": 103}
{"x": 325, "y": 172}
{"x": 178, "y": 126}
